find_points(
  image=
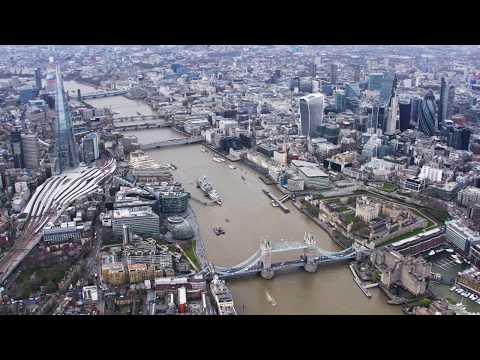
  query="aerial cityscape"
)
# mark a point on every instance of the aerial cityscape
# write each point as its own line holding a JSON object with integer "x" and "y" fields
{"x": 239, "y": 180}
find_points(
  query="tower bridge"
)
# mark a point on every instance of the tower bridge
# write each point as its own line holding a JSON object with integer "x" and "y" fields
{"x": 261, "y": 261}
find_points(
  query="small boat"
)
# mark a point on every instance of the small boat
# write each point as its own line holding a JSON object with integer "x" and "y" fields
{"x": 450, "y": 250}
{"x": 477, "y": 301}
{"x": 431, "y": 253}
{"x": 218, "y": 231}
{"x": 219, "y": 160}
{"x": 473, "y": 297}
{"x": 270, "y": 298}
{"x": 459, "y": 262}
{"x": 459, "y": 290}
{"x": 453, "y": 288}
{"x": 466, "y": 294}
{"x": 274, "y": 204}
{"x": 232, "y": 167}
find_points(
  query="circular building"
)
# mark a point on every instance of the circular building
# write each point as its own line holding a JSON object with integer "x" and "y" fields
{"x": 179, "y": 228}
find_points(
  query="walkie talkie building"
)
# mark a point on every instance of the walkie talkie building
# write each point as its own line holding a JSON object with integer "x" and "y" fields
{"x": 66, "y": 148}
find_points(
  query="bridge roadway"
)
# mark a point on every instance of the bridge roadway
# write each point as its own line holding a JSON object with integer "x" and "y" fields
{"x": 172, "y": 142}
{"x": 313, "y": 255}
{"x": 100, "y": 94}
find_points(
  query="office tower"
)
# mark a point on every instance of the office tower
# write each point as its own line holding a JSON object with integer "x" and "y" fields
{"x": 405, "y": 109}
{"x": 459, "y": 138}
{"x": 387, "y": 87}
{"x": 311, "y": 114}
{"x": 443, "y": 104}
{"x": 90, "y": 149}
{"x": 415, "y": 101}
{"x": 426, "y": 115}
{"x": 305, "y": 85}
{"x": 333, "y": 73}
{"x": 356, "y": 73}
{"x": 30, "y": 149}
{"x": 352, "y": 90}
{"x": 373, "y": 117}
{"x": 375, "y": 81}
{"x": 340, "y": 101}
{"x": 391, "y": 121}
{"x": 38, "y": 79}
{"x": 450, "y": 100}
{"x": 16, "y": 142}
{"x": 65, "y": 145}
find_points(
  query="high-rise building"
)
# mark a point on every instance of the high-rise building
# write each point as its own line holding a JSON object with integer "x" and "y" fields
{"x": 375, "y": 81}
{"x": 16, "y": 142}
{"x": 426, "y": 115}
{"x": 415, "y": 101}
{"x": 443, "y": 104}
{"x": 450, "y": 101}
{"x": 66, "y": 148}
{"x": 387, "y": 87}
{"x": 405, "y": 110}
{"x": 340, "y": 101}
{"x": 90, "y": 148}
{"x": 30, "y": 149}
{"x": 356, "y": 73}
{"x": 311, "y": 114}
{"x": 459, "y": 137}
{"x": 38, "y": 79}
{"x": 391, "y": 123}
{"x": 333, "y": 73}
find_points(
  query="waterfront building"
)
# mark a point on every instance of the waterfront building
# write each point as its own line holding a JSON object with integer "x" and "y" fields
{"x": 408, "y": 272}
{"x": 173, "y": 202}
{"x": 66, "y": 147}
{"x": 311, "y": 114}
{"x": 141, "y": 220}
{"x": 462, "y": 237}
{"x": 426, "y": 115}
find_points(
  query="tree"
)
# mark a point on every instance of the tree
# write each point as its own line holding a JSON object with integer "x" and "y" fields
{"x": 425, "y": 302}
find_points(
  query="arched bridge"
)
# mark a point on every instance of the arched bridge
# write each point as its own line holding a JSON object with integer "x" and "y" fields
{"x": 261, "y": 261}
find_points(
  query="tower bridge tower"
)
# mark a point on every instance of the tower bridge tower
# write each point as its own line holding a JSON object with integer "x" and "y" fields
{"x": 266, "y": 259}
{"x": 310, "y": 253}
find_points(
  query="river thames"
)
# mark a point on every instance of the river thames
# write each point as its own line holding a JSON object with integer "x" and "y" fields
{"x": 247, "y": 217}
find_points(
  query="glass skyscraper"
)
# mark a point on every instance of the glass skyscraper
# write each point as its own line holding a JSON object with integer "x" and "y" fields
{"x": 311, "y": 114}
{"x": 426, "y": 114}
{"x": 66, "y": 148}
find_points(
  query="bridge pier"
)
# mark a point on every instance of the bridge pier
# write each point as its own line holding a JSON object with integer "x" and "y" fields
{"x": 267, "y": 271}
{"x": 267, "y": 274}
{"x": 310, "y": 252}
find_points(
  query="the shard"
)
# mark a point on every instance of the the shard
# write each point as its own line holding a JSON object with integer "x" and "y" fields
{"x": 66, "y": 148}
